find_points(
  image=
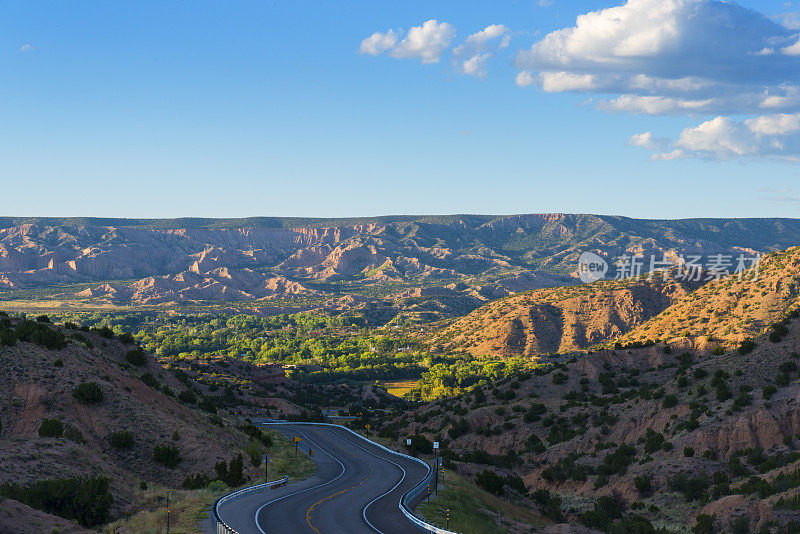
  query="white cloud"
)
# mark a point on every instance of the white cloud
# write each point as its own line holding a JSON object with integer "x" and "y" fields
{"x": 426, "y": 42}
{"x": 792, "y": 50}
{"x": 27, "y": 48}
{"x": 524, "y": 79}
{"x": 378, "y": 43}
{"x": 649, "y": 141}
{"x": 791, "y": 20}
{"x": 476, "y": 65}
{"x": 672, "y": 56}
{"x": 774, "y": 124}
{"x": 471, "y": 56}
{"x": 722, "y": 138}
{"x": 557, "y": 82}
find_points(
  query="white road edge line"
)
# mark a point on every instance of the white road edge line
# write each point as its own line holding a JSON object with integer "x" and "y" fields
{"x": 304, "y": 490}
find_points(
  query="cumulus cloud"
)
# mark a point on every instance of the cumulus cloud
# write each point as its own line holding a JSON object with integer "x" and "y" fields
{"x": 649, "y": 141}
{"x": 671, "y": 56}
{"x": 27, "y": 48}
{"x": 378, "y": 43}
{"x": 426, "y": 42}
{"x": 471, "y": 56}
{"x": 722, "y": 138}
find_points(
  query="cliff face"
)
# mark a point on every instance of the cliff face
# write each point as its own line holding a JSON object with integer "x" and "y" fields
{"x": 494, "y": 255}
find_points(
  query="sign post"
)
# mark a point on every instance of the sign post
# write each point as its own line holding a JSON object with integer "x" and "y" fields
{"x": 296, "y": 441}
{"x": 436, "y": 466}
{"x": 266, "y": 468}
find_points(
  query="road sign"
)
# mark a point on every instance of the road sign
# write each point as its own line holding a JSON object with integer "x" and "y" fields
{"x": 367, "y": 427}
{"x": 296, "y": 439}
{"x": 435, "y": 444}
{"x": 408, "y": 441}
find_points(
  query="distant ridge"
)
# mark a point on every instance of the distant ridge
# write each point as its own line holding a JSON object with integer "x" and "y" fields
{"x": 320, "y": 222}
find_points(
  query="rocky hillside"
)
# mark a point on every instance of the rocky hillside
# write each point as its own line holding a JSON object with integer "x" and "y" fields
{"x": 729, "y": 310}
{"x": 77, "y": 403}
{"x": 243, "y": 260}
{"x": 563, "y": 319}
{"x": 621, "y": 438}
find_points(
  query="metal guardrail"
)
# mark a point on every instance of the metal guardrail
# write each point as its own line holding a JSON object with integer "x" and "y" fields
{"x": 222, "y": 526}
{"x": 409, "y": 496}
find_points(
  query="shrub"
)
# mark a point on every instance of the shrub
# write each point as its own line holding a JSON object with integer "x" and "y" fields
{"x": 256, "y": 433}
{"x": 652, "y": 441}
{"x": 51, "y": 428}
{"x": 187, "y": 396}
{"x": 567, "y": 468}
{"x": 421, "y": 444}
{"x": 688, "y": 452}
{"x": 122, "y": 439}
{"x": 136, "y": 357}
{"x": 550, "y": 505}
{"x": 255, "y": 452}
{"x": 169, "y": 455}
{"x": 559, "y": 378}
{"x": 491, "y": 482}
{"x": 742, "y": 400}
{"x": 73, "y": 434}
{"x": 693, "y": 488}
{"x": 58, "y": 363}
{"x": 643, "y": 483}
{"x": 705, "y": 524}
{"x": 105, "y": 332}
{"x": 207, "y": 404}
{"x": 43, "y": 319}
{"x": 747, "y": 346}
{"x": 88, "y": 393}
{"x": 40, "y": 334}
{"x": 768, "y": 392}
{"x": 670, "y": 401}
{"x": 606, "y": 509}
{"x": 232, "y": 475}
{"x": 126, "y": 337}
{"x": 150, "y": 380}
{"x": 196, "y": 481}
{"x": 740, "y": 525}
{"x": 82, "y": 499}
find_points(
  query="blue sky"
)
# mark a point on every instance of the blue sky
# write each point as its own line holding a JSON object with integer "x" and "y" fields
{"x": 170, "y": 109}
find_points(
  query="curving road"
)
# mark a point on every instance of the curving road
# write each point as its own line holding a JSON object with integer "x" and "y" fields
{"x": 356, "y": 490}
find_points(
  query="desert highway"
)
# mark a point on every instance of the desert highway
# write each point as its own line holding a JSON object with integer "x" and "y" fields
{"x": 357, "y": 489}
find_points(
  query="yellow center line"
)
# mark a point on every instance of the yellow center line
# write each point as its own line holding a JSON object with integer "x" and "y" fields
{"x": 311, "y": 508}
{"x": 335, "y": 444}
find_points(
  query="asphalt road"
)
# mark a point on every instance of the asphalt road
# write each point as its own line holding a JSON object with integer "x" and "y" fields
{"x": 361, "y": 476}
{"x": 356, "y": 490}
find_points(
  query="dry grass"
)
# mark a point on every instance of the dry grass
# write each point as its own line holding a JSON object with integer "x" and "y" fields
{"x": 189, "y": 507}
{"x": 475, "y": 511}
{"x": 398, "y": 388}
